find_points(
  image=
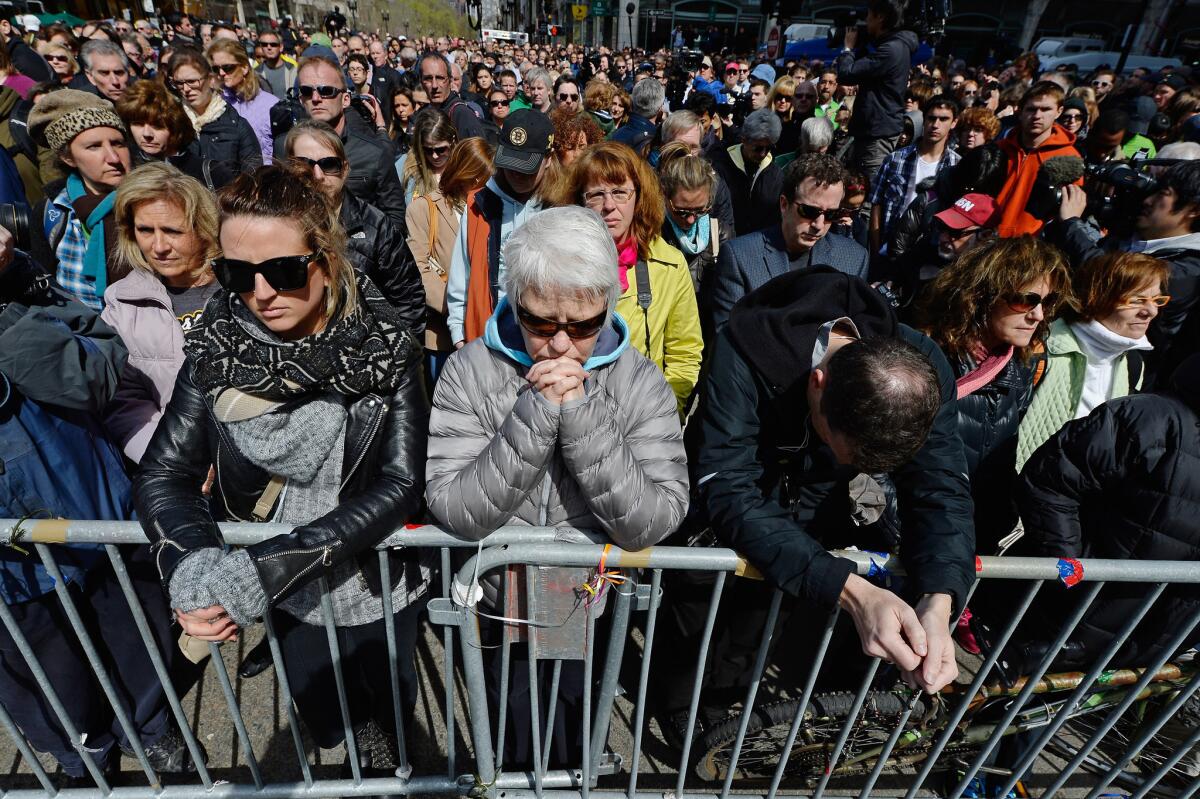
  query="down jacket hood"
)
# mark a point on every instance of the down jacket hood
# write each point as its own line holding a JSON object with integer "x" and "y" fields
{"x": 503, "y": 335}
{"x": 776, "y": 326}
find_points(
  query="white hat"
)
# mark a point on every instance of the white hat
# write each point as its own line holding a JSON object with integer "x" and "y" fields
{"x": 31, "y": 23}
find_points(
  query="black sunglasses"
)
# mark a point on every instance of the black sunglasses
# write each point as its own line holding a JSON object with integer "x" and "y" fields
{"x": 548, "y": 328}
{"x": 261, "y": 43}
{"x": 324, "y": 92}
{"x": 330, "y": 164}
{"x": 498, "y": 103}
{"x": 813, "y": 212}
{"x": 226, "y": 69}
{"x": 1024, "y": 302}
{"x": 286, "y": 273}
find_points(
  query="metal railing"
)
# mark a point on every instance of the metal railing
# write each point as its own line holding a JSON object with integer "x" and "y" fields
{"x": 875, "y": 731}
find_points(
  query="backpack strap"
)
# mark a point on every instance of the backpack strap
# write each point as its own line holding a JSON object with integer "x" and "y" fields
{"x": 54, "y": 224}
{"x": 645, "y": 296}
{"x": 714, "y": 234}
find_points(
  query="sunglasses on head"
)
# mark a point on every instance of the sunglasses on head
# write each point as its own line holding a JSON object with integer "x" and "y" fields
{"x": 324, "y": 92}
{"x": 330, "y": 164}
{"x": 286, "y": 273}
{"x": 1024, "y": 302}
{"x": 548, "y": 328}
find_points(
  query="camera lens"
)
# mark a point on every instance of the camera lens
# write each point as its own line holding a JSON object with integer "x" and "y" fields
{"x": 15, "y": 219}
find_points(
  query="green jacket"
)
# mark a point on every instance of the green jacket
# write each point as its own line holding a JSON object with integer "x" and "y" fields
{"x": 519, "y": 102}
{"x": 1057, "y": 394}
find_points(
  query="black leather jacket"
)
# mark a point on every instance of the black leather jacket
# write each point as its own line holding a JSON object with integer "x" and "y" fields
{"x": 383, "y": 483}
{"x": 380, "y": 251}
{"x": 230, "y": 138}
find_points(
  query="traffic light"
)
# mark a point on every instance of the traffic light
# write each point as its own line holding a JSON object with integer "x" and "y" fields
{"x": 552, "y": 30}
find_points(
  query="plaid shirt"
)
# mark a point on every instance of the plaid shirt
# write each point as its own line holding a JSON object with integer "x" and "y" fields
{"x": 893, "y": 179}
{"x": 70, "y": 252}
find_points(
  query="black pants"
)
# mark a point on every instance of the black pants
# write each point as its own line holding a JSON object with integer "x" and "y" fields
{"x": 111, "y": 627}
{"x": 365, "y": 672}
{"x": 867, "y": 154}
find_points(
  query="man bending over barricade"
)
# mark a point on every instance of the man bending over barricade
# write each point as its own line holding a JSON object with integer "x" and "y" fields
{"x": 813, "y": 386}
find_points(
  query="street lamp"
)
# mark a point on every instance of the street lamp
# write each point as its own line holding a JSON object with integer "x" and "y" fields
{"x": 386, "y": 18}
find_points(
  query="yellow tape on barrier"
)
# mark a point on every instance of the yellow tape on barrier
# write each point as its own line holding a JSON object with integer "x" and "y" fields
{"x": 46, "y": 531}
{"x": 745, "y": 569}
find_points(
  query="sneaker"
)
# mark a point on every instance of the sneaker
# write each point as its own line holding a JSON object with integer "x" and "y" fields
{"x": 169, "y": 754}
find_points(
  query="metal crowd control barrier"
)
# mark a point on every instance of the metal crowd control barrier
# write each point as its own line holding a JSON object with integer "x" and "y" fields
{"x": 1074, "y": 718}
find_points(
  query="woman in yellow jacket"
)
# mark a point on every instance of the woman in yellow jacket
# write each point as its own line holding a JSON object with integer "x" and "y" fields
{"x": 658, "y": 301}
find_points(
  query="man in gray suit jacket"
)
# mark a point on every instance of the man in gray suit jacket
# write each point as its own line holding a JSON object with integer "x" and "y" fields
{"x": 811, "y": 198}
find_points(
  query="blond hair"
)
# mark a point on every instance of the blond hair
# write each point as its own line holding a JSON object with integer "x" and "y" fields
{"x": 161, "y": 181}
{"x": 250, "y": 86}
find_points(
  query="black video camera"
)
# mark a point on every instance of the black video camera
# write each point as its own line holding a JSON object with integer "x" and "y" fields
{"x": 843, "y": 23}
{"x": 1117, "y": 190}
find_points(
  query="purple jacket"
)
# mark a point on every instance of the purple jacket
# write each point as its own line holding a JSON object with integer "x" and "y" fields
{"x": 138, "y": 307}
{"x": 258, "y": 113}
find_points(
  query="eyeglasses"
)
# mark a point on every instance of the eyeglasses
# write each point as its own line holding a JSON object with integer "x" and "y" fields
{"x": 324, "y": 92}
{"x": 261, "y": 43}
{"x": 438, "y": 151}
{"x": 548, "y": 328}
{"x": 1158, "y": 301}
{"x": 190, "y": 83}
{"x": 1100, "y": 84}
{"x": 227, "y": 69}
{"x": 330, "y": 164}
{"x": 61, "y": 58}
{"x": 813, "y": 212}
{"x": 595, "y": 199}
{"x": 564, "y": 97}
{"x": 1019, "y": 302}
{"x": 498, "y": 103}
{"x": 686, "y": 212}
{"x": 1071, "y": 118}
{"x": 286, "y": 273}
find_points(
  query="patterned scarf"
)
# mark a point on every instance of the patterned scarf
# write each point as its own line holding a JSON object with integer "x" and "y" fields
{"x": 216, "y": 107}
{"x": 365, "y": 352}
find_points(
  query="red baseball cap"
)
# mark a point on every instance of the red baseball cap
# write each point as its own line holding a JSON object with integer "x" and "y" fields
{"x": 970, "y": 210}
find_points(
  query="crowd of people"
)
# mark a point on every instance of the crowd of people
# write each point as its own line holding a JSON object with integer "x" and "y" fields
{"x": 348, "y": 281}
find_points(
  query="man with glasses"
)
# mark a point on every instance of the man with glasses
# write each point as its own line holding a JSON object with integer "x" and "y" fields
{"x": 323, "y": 93}
{"x": 809, "y": 200}
{"x": 944, "y": 236}
{"x": 827, "y": 106}
{"x": 566, "y": 94}
{"x": 276, "y": 69}
{"x": 435, "y": 80}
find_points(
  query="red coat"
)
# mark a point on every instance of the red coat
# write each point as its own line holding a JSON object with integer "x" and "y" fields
{"x": 1021, "y": 172}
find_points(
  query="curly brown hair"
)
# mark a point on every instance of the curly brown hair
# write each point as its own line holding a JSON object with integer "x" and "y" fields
{"x": 614, "y": 163}
{"x": 980, "y": 118}
{"x": 955, "y": 307}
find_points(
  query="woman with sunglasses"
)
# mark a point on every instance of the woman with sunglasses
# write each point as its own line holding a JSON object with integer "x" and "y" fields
{"x": 433, "y": 223}
{"x": 421, "y": 167}
{"x": 243, "y": 91}
{"x": 610, "y": 179}
{"x": 167, "y": 237}
{"x": 553, "y": 419}
{"x": 222, "y": 133}
{"x": 689, "y": 184}
{"x": 497, "y": 105}
{"x": 61, "y": 60}
{"x": 1094, "y": 354}
{"x": 376, "y": 246}
{"x": 302, "y": 386}
{"x": 989, "y": 311}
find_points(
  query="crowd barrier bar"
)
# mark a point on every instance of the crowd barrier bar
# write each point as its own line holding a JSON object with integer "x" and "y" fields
{"x": 550, "y": 547}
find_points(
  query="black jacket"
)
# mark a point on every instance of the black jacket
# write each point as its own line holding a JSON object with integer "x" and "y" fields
{"x": 466, "y": 122}
{"x": 230, "y": 138}
{"x": 882, "y": 79}
{"x": 27, "y": 61}
{"x": 380, "y": 251}
{"x": 383, "y": 481}
{"x": 773, "y": 491}
{"x": 755, "y": 201}
{"x": 1122, "y": 483}
{"x": 384, "y": 83}
{"x": 372, "y": 170}
{"x": 1173, "y": 331}
{"x": 987, "y": 424}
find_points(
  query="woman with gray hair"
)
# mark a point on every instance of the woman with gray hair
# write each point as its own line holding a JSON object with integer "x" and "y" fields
{"x": 553, "y": 419}
{"x": 816, "y": 134}
{"x": 755, "y": 181}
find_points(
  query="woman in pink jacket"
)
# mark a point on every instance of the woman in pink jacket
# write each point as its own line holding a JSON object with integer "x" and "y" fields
{"x": 167, "y": 226}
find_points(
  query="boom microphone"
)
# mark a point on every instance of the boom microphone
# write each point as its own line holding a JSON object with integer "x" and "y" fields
{"x": 1045, "y": 196}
